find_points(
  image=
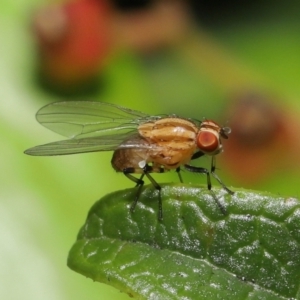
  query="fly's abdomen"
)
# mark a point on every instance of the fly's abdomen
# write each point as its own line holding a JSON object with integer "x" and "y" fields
{"x": 132, "y": 153}
{"x": 129, "y": 158}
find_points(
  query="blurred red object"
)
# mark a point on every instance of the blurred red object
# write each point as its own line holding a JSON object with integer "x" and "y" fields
{"x": 262, "y": 141}
{"x": 74, "y": 39}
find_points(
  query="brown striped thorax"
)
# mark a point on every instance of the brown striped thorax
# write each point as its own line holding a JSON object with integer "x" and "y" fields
{"x": 141, "y": 143}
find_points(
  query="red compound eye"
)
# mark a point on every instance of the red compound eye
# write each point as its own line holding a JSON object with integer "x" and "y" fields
{"x": 207, "y": 141}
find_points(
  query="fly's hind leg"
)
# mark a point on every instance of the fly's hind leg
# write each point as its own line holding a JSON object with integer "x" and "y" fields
{"x": 140, "y": 182}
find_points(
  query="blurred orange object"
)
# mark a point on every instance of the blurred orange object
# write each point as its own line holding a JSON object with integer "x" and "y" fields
{"x": 161, "y": 24}
{"x": 74, "y": 40}
{"x": 262, "y": 141}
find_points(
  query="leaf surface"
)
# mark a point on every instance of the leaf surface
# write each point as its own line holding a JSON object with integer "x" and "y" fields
{"x": 195, "y": 252}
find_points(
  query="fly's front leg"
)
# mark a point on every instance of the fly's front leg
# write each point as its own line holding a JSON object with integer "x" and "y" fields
{"x": 205, "y": 171}
{"x": 197, "y": 155}
{"x": 196, "y": 169}
{"x": 201, "y": 171}
{"x": 212, "y": 171}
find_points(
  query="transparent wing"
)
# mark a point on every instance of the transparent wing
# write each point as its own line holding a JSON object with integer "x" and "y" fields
{"x": 91, "y": 126}
{"x": 82, "y": 119}
{"x": 91, "y": 144}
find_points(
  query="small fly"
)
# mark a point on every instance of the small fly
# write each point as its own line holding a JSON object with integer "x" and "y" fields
{"x": 142, "y": 144}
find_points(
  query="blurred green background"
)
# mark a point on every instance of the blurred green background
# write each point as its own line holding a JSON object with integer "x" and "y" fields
{"x": 222, "y": 51}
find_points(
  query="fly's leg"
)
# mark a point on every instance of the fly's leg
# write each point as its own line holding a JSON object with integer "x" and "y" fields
{"x": 179, "y": 174}
{"x": 139, "y": 184}
{"x": 140, "y": 180}
{"x": 158, "y": 187}
{"x": 205, "y": 171}
{"x": 197, "y": 155}
{"x": 212, "y": 171}
{"x": 148, "y": 169}
{"x": 221, "y": 207}
{"x": 201, "y": 171}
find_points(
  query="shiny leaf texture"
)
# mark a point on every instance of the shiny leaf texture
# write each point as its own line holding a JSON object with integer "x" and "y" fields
{"x": 195, "y": 252}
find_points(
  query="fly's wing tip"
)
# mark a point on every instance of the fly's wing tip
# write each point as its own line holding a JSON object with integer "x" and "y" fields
{"x": 30, "y": 151}
{"x": 37, "y": 151}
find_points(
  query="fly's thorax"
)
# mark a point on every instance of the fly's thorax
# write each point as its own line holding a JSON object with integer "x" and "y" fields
{"x": 169, "y": 129}
{"x": 175, "y": 140}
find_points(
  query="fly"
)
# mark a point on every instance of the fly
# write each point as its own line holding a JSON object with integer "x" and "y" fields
{"x": 142, "y": 144}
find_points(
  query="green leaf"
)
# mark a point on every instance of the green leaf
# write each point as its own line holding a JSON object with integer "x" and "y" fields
{"x": 195, "y": 252}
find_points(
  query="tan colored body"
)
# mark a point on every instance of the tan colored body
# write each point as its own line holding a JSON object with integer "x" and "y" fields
{"x": 170, "y": 143}
{"x": 141, "y": 143}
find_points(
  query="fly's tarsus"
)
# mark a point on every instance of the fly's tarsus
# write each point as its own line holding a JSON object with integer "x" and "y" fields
{"x": 220, "y": 205}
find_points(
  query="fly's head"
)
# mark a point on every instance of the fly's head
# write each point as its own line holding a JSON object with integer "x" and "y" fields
{"x": 209, "y": 137}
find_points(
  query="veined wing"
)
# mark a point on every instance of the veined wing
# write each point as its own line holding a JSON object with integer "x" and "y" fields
{"x": 90, "y": 144}
{"x": 83, "y": 119}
